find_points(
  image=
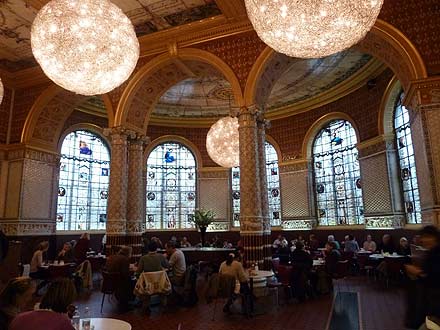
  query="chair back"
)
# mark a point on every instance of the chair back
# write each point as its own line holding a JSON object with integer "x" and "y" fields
{"x": 275, "y": 265}
{"x": 110, "y": 282}
{"x": 9, "y": 266}
{"x": 362, "y": 260}
{"x": 347, "y": 255}
{"x": 285, "y": 274}
{"x": 342, "y": 269}
{"x": 151, "y": 283}
{"x": 226, "y": 286}
{"x": 394, "y": 265}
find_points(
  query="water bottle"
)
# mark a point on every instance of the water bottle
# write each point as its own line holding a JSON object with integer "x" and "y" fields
{"x": 75, "y": 319}
{"x": 86, "y": 320}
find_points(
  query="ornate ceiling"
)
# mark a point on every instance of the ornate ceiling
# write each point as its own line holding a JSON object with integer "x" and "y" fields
{"x": 148, "y": 16}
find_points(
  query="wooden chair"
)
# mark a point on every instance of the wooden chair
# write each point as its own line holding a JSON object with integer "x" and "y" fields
{"x": 285, "y": 278}
{"x": 394, "y": 269}
{"x": 109, "y": 284}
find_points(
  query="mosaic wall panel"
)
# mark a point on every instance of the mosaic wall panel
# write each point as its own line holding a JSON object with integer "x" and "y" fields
{"x": 298, "y": 224}
{"x": 214, "y": 195}
{"x": 37, "y": 194}
{"x": 14, "y": 189}
{"x": 375, "y": 184}
{"x": 294, "y": 194}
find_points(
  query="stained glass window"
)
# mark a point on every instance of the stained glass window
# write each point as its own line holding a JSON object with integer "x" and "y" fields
{"x": 273, "y": 188}
{"x": 337, "y": 180}
{"x": 83, "y": 182}
{"x": 408, "y": 175}
{"x": 171, "y": 187}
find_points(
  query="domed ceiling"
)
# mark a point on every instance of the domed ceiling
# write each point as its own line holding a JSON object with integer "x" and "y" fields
{"x": 209, "y": 95}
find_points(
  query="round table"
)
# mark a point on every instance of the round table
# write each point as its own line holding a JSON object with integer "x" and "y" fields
{"x": 108, "y": 324}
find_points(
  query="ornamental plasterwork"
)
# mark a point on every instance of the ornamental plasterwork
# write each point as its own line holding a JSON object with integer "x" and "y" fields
{"x": 384, "y": 222}
{"x": 218, "y": 226}
{"x": 304, "y": 224}
{"x": 22, "y": 229}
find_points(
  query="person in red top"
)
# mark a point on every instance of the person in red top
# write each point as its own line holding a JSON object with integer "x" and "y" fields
{"x": 52, "y": 312}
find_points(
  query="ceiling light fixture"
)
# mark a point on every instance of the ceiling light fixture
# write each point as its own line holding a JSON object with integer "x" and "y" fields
{"x": 222, "y": 142}
{"x": 312, "y": 28}
{"x": 85, "y": 46}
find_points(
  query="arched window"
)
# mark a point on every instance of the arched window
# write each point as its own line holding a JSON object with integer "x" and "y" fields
{"x": 83, "y": 183}
{"x": 337, "y": 181}
{"x": 171, "y": 187}
{"x": 273, "y": 188}
{"x": 408, "y": 175}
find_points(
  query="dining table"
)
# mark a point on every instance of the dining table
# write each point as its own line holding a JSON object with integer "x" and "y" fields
{"x": 104, "y": 324}
{"x": 380, "y": 256}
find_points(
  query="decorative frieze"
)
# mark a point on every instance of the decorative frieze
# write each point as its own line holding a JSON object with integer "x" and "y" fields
{"x": 385, "y": 222}
{"x": 28, "y": 228}
{"x": 298, "y": 224}
{"x": 219, "y": 226}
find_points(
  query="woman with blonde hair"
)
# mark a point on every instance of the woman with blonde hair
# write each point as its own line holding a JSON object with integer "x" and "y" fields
{"x": 15, "y": 296}
{"x": 37, "y": 259}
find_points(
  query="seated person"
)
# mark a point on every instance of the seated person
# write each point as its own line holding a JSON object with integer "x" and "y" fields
{"x": 350, "y": 244}
{"x": 120, "y": 263}
{"x": 53, "y": 309}
{"x": 232, "y": 267}
{"x": 37, "y": 261}
{"x": 14, "y": 298}
{"x": 158, "y": 242}
{"x": 332, "y": 256}
{"x": 369, "y": 244}
{"x": 66, "y": 254}
{"x": 387, "y": 245}
{"x": 184, "y": 242}
{"x": 313, "y": 243}
{"x": 403, "y": 249}
{"x": 152, "y": 261}
{"x": 303, "y": 262}
{"x": 81, "y": 248}
{"x": 301, "y": 257}
{"x": 331, "y": 238}
{"x": 280, "y": 242}
{"x": 177, "y": 264}
{"x": 227, "y": 244}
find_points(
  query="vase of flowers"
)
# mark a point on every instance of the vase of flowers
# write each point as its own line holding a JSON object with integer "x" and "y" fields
{"x": 202, "y": 219}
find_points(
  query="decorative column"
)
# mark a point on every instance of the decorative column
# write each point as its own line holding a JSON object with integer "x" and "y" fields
{"x": 136, "y": 191}
{"x": 423, "y": 99}
{"x": 251, "y": 220}
{"x": 117, "y": 195}
{"x": 262, "y": 124}
{"x": 380, "y": 183}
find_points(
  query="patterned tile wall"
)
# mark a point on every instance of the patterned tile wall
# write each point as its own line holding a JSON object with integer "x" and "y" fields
{"x": 375, "y": 184}
{"x": 294, "y": 194}
{"x": 214, "y": 195}
{"x": 37, "y": 193}
{"x": 14, "y": 189}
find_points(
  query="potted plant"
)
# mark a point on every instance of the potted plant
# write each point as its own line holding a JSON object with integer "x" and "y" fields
{"x": 202, "y": 219}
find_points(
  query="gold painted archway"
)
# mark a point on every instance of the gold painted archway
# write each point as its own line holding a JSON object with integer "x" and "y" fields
{"x": 384, "y": 42}
{"x": 157, "y": 76}
{"x": 46, "y": 119}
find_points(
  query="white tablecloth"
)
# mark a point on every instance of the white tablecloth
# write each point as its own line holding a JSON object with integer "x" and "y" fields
{"x": 108, "y": 324}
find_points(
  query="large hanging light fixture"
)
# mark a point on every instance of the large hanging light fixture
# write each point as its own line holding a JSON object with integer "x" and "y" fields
{"x": 86, "y": 46}
{"x": 2, "y": 91}
{"x": 222, "y": 142}
{"x": 312, "y": 28}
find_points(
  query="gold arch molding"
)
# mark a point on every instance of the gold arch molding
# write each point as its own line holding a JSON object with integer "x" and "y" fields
{"x": 46, "y": 119}
{"x": 384, "y": 41}
{"x": 387, "y": 106}
{"x": 156, "y": 77}
{"x": 176, "y": 138}
{"x": 309, "y": 138}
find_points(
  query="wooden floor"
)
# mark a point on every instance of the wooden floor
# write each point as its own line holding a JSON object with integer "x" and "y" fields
{"x": 380, "y": 309}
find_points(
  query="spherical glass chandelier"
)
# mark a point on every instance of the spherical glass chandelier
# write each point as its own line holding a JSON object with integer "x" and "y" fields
{"x": 312, "y": 28}
{"x": 86, "y": 46}
{"x": 222, "y": 142}
{"x": 2, "y": 91}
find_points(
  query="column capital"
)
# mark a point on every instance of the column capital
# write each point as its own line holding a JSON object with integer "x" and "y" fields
{"x": 423, "y": 93}
{"x": 138, "y": 139}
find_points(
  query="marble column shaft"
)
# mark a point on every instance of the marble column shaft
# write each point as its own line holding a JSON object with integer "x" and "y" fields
{"x": 251, "y": 220}
{"x": 117, "y": 196}
{"x": 265, "y": 212}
